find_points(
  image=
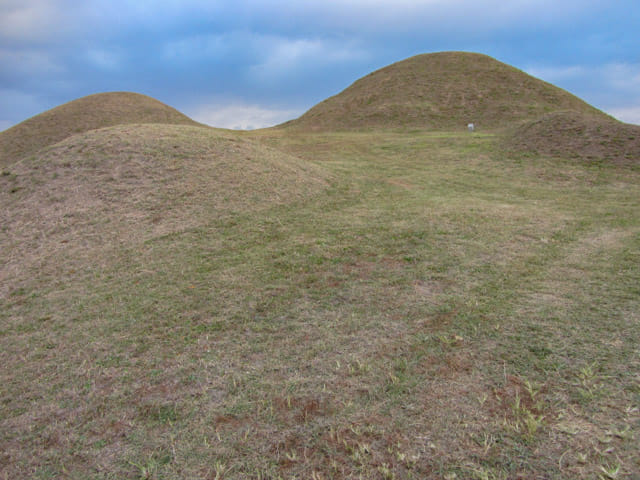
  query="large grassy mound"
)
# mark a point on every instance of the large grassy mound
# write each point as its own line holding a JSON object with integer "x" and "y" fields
{"x": 123, "y": 185}
{"x": 576, "y": 135}
{"x": 81, "y": 115}
{"x": 440, "y": 91}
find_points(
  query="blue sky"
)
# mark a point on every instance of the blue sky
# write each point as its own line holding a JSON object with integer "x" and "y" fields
{"x": 255, "y": 63}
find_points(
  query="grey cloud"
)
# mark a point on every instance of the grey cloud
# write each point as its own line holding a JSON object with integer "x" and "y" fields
{"x": 284, "y": 53}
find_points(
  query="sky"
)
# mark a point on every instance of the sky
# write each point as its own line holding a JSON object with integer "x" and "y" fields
{"x": 255, "y": 63}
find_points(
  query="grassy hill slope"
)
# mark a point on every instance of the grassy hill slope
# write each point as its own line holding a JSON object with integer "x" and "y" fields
{"x": 121, "y": 186}
{"x": 440, "y": 91}
{"x": 87, "y": 113}
{"x": 578, "y": 135}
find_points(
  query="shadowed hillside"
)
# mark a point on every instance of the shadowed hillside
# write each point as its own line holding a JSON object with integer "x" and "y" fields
{"x": 87, "y": 113}
{"x": 440, "y": 91}
{"x": 572, "y": 134}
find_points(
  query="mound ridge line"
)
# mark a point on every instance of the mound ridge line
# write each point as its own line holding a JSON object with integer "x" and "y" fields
{"x": 437, "y": 91}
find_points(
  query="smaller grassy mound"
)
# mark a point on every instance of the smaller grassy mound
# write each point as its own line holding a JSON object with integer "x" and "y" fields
{"x": 81, "y": 115}
{"x": 577, "y": 135}
{"x": 124, "y": 185}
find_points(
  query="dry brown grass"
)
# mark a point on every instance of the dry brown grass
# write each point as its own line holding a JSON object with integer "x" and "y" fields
{"x": 440, "y": 91}
{"x": 578, "y": 135}
{"x": 120, "y": 186}
{"x": 81, "y": 115}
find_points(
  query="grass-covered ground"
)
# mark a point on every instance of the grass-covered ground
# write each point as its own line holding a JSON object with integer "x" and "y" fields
{"x": 440, "y": 309}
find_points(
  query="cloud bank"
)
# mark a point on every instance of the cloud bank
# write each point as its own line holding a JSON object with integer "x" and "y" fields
{"x": 285, "y": 56}
{"x": 242, "y": 117}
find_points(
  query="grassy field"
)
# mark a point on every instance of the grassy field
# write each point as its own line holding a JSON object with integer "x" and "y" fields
{"x": 440, "y": 308}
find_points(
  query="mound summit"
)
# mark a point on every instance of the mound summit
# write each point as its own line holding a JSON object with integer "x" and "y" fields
{"x": 440, "y": 91}
{"x": 81, "y": 115}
